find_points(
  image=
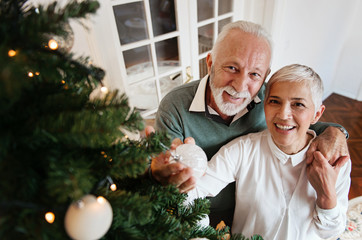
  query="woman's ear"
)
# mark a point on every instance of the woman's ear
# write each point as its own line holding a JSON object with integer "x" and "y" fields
{"x": 318, "y": 114}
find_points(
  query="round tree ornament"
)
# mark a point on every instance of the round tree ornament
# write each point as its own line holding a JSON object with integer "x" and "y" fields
{"x": 88, "y": 218}
{"x": 192, "y": 156}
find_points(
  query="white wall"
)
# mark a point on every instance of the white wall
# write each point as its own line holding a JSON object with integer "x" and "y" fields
{"x": 323, "y": 34}
{"x": 348, "y": 75}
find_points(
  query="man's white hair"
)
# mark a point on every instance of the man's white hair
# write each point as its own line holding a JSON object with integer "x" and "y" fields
{"x": 244, "y": 26}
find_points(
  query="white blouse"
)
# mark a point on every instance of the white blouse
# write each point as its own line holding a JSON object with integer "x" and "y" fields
{"x": 273, "y": 195}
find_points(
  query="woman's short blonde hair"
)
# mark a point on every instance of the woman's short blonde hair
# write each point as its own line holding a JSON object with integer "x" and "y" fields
{"x": 299, "y": 73}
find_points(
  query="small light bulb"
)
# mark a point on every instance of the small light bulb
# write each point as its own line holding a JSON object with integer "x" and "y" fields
{"x": 113, "y": 187}
{"x": 12, "y": 53}
{"x": 50, "y": 217}
{"x": 53, "y": 45}
{"x": 63, "y": 82}
{"x": 104, "y": 89}
{"x": 37, "y": 73}
{"x": 101, "y": 200}
{"x": 30, "y": 74}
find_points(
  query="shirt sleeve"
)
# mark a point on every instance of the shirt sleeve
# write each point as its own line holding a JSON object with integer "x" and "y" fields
{"x": 221, "y": 171}
{"x": 332, "y": 222}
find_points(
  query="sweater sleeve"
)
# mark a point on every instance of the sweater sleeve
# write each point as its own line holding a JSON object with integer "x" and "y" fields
{"x": 332, "y": 222}
{"x": 165, "y": 122}
{"x": 319, "y": 127}
{"x": 168, "y": 119}
{"x": 173, "y": 110}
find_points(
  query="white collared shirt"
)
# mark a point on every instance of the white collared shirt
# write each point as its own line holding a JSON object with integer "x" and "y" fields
{"x": 273, "y": 195}
{"x": 198, "y": 103}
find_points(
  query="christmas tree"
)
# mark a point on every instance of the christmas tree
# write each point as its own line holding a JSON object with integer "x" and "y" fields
{"x": 68, "y": 170}
{"x": 60, "y": 150}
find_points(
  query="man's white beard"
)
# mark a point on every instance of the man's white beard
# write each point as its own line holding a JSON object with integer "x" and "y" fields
{"x": 229, "y": 109}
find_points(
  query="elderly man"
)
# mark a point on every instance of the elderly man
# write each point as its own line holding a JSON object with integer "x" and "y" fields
{"x": 225, "y": 104}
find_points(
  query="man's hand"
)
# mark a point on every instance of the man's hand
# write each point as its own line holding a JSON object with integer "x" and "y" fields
{"x": 174, "y": 173}
{"x": 331, "y": 143}
{"x": 323, "y": 178}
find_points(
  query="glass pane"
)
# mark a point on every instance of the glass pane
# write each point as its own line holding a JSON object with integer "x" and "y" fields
{"x": 203, "y": 67}
{"x": 225, "y": 6}
{"x": 206, "y": 34}
{"x": 170, "y": 82}
{"x": 222, "y": 23}
{"x": 163, "y": 16}
{"x": 131, "y": 22}
{"x": 167, "y": 54}
{"x": 143, "y": 95}
{"x": 138, "y": 63}
{"x": 205, "y": 9}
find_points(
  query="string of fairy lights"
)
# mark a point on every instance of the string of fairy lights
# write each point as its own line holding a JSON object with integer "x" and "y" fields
{"x": 53, "y": 45}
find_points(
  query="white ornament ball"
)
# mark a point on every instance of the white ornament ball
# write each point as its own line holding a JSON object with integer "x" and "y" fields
{"x": 192, "y": 156}
{"x": 88, "y": 218}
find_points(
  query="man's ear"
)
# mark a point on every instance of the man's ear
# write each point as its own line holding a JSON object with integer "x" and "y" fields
{"x": 318, "y": 114}
{"x": 209, "y": 63}
{"x": 267, "y": 73}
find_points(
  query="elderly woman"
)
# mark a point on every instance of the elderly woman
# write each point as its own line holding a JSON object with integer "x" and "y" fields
{"x": 278, "y": 194}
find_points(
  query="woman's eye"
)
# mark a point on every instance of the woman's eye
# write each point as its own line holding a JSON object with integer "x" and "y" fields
{"x": 299, "y": 104}
{"x": 273, "y": 101}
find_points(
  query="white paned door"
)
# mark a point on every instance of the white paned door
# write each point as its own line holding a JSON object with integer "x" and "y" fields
{"x": 149, "y": 47}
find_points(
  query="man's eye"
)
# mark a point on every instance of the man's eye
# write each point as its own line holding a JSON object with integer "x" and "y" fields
{"x": 255, "y": 76}
{"x": 230, "y": 69}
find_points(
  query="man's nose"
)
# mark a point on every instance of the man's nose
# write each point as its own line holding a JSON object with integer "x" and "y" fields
{"x": 240, "y": 82}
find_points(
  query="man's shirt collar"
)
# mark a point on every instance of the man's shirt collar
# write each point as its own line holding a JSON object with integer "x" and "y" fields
{"x": 198, "y": 103}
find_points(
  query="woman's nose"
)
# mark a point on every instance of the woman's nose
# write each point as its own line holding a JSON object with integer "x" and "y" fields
{"x": 285, "y": 112}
